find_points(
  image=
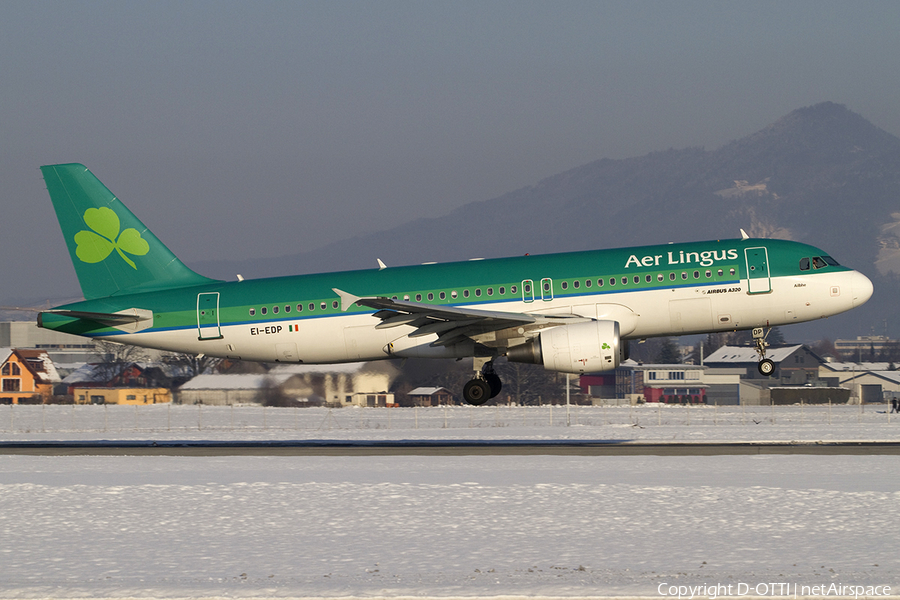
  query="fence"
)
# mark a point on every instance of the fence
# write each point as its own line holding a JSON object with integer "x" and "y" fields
{"x": 18, "y": 419}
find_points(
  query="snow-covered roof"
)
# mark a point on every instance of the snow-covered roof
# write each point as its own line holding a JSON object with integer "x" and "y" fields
{"x": 743, "y": 354}
{"x": 851, "y": 366}
{"x": 304, "y": 369}
{"x": 426, "y": 391}
{"x": 234, "y": 382}
{"x": 97, "y": 373}
{"x": 46, "y": 372}
{"x": 891, "y": 376}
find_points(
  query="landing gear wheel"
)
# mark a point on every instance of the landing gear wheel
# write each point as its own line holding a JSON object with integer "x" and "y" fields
{"x": 493, "y": 381}
{"x": 766, "y": 367}
{"x": 476, "y": 391}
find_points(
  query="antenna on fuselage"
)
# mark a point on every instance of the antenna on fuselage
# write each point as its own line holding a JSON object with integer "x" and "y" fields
{"x": 744, "y": 235}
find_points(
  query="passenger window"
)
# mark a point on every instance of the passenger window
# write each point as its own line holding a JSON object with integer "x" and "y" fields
{"x": 637, "y": 279}
{"x": 334, "y": 304}
{"x": 263, "y": 310}
{"x": 547, "y": 286}
{"x": 599, "y": 283}
{"x": 721, "y": 272}
{"x": 491, "y": 291}
{"x": 624, "y": 281}
{"x": 575, "y": 284}
{"x": 443, "y": 295}
{"x": 430, "y": 295}
{"x": 671, "y": 276}
{"x": 406, "y": 297}
{"x": 660, "y": 277}
{"x": 312, "y": 306}
{"x": 708, "y": 274}
{"x": 648, "y": 278}
{"x": 418, "y": 297}
{"x": 478, "y": 292}
{"x": 252, "y": 311}
{"x": 527, "y": 288}
{"x": 299, "y": 308}
{"x": 453, "y": 294}
{"x": 465, "y": 293}
{"x": 696, "y": 274}
{"x": 804, "y": 263}
{"x": 287, "y": 308}
{"x": 275, "y": 310}
{"x": 612, "y": 281}
{"x": 512, "y": 289}
{"x": 683, "y": 275}
{"x": 587, "y": 283}
{"x": 323, "y": 305}
{"x": 731, "y": 270}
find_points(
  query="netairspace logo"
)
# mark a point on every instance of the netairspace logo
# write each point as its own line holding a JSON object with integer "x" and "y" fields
{"x": 783, "y": 589}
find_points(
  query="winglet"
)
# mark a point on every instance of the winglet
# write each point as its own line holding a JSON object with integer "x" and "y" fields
{"x": 347, "y": 299}
{"x": 744, "y": 235}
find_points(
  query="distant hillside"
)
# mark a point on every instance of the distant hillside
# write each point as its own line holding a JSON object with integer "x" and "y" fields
{"x": 822, "y": 175}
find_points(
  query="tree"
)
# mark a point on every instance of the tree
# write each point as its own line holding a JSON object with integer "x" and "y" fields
{"x": 669, "y": 353}
{"x": 527, "y": 384}
{"x": 188, "y": 366}
{"x": 115, "y": 358}
{"x": 271, "y": 394}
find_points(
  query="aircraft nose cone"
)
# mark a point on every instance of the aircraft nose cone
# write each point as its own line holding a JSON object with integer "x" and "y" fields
{"x": 861, "y": 287}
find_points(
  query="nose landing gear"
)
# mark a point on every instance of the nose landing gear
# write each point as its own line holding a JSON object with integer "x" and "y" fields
{"x": 765, "y": 367}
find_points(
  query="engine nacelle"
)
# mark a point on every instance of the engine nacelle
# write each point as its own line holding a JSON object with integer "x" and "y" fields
{"x": 579, "y": 348}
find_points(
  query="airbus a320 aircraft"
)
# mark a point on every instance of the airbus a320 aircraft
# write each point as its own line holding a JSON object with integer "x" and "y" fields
{"x": 568, "y": 312}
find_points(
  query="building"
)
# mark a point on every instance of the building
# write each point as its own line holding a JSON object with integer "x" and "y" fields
{"x": 668, "y": 383}
{"x": 26, "y": 376}
{"x": 866, "y": 347}
{"x": 347, "y": 384}
{"x": 794, "y": 365}
{"x": 430, "y": 396}
{"x": 121, "y": 375}
{"x": 228, "y": 390}
{"x": 105, "y": 395}
{"x": 873, "y": 382}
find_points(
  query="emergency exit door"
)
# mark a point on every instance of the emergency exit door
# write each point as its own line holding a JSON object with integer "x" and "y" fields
{"x": 758, "y": 280}
{"x": 208, "y": 316}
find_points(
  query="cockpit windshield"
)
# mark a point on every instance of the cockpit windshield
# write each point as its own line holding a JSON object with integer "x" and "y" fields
{"x": 818, "y": 262}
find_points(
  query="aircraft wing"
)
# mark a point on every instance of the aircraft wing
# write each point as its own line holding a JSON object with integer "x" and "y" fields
{"x": 452, "y": 324}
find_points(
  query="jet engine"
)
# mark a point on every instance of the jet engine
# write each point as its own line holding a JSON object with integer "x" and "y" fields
{"x": 577, "y": 348}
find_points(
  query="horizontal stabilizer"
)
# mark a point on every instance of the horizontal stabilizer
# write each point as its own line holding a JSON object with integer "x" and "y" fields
{"x": 130, "y": 319}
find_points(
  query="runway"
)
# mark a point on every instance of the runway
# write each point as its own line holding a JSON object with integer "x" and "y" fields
{"x": 441, "y": 448}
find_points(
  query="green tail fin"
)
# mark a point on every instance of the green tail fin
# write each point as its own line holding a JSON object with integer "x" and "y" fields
{"x": 113, "y": 252}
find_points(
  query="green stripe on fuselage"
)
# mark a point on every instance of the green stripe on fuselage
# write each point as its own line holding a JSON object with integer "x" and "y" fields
{"x": 691, "y": 264}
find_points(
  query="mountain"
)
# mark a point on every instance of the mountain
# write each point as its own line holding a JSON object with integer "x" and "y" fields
{"x": 822, "y": 175}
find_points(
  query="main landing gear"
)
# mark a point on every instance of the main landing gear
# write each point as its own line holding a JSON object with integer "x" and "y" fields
{"x": 484, "y": 386}
{"x": 766, "y": 367}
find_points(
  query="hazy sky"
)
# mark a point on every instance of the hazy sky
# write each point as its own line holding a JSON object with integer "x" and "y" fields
{"x": 267, "y": 128}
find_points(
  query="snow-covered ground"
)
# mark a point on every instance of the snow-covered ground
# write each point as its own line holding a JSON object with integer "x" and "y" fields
{"x": 91, "y": 526}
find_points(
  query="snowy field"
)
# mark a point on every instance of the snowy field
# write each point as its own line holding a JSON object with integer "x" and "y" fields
{"x": 251, "y": 526}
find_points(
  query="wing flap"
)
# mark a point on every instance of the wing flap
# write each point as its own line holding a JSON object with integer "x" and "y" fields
{"x": 451, "y": 324}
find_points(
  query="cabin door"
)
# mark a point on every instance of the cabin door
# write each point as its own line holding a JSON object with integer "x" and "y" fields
{"x": 758, "y": 281}
{"x": 208, "y": 316}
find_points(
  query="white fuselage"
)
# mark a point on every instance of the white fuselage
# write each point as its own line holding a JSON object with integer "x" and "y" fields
{"x": 640, "y": 314}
